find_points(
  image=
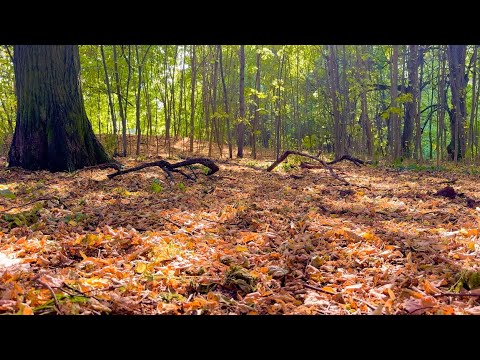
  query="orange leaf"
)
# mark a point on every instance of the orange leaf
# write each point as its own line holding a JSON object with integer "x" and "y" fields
{"x": 429, "y": 288}
{"x": 26, "y": 310}
{"x": 329, "y": 289}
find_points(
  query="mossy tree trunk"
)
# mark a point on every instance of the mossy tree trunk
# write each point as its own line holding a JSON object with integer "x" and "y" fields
{"x": 52, "y": 130}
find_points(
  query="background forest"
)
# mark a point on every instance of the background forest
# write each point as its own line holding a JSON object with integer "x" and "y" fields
{"x": 373, "y": 101}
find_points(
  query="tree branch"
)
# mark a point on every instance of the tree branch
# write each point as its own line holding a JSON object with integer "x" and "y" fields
{"x": 324, "y": 164}
{"x": 168, "y": 167}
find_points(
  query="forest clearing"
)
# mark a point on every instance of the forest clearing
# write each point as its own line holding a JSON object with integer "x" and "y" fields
{"x": 239, "y": 179}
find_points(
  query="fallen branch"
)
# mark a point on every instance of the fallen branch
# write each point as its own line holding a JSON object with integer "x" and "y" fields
{"x": 356, "y": 161}
{"x": 324, "y": 164}
{"x": 111, "y": 165}
{"x": 169, "y": 168}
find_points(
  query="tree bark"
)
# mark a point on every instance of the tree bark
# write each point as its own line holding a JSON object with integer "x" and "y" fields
{"x": 120, "y": 103}
{"x": 52, "y": 130}
{"x": 225, "y": 100}
{"x": 241, "y": 98}
{"x": 192, "y": 98}
{"x": 456, "y": 61}
{"x": 109, "y": 93}
{"x": 471, "y": 133}
{"x": 334, "y": 92}
{"x": 257, "y": 106}
{"x": 394, "y": 115}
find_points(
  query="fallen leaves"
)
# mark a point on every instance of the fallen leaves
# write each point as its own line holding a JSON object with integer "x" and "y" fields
{"x": 260, "y": 243}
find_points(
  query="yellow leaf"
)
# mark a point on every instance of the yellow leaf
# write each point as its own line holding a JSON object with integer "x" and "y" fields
{"x": 368, "y": 236}
{"x": 91, "y": 239}
{"x": 471, "y": 246}
{"x": 83, "y": 255}
{"x": 140, "y": 268}
{"x": 329, "y": 289}
{"x": 72, "y": 222}
{"x": 241, "y": 248}
{"x": 360, "y": 193}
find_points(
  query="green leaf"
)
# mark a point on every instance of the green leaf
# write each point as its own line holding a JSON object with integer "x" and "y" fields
{"x": 7, "y": 194}
{"x": 181, "y": 186}
{"x": 155, "y": 186}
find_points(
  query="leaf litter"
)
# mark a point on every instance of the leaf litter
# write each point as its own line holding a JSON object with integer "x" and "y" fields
{"x": 242, "y": 241}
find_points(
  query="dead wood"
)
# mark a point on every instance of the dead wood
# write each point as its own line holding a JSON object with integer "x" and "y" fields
{"x": 324, "y": 164}
{"x": 110, "y": 165}
{"x": 356, "y": 161}
{"x": 169, "y": 168}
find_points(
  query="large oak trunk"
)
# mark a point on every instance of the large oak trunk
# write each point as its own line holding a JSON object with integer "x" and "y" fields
{"x": 52, "y": 131}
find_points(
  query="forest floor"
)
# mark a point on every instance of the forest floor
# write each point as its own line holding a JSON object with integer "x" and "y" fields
{"x": 241, "y": 241}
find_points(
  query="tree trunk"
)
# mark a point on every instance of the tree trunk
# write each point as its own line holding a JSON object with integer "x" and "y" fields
{"x": 471, "y": 134}
{"x": 137, "y": 102}
{"x": 225, "y": 100}
{"x": 333, "y": 80}
{"x": 441, "y": 106}
{"x": 52, "y": 130}
{"x": 120, "y": 103}
{"x": 394, "y": 120}
{"x": 109, "y": 93}
{"x": 417, "y": 92}
{"x": 241, "y": 99}
{"x": 192, "y": 99}
{"x": 367, "y": 126}
{"x": 410, "y": 106}
{"x": 257, "y": 106}
{"x": 456, "y": 61}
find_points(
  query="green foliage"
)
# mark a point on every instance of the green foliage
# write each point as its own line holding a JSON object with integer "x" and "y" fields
{"x": 404, "y": 98}
{"x": 181, "y": 186}
{"x": 156, "y": 186}
{"x": 74, "y": 219}
{"x": 310, "y": 142}
{"x": 24, "y": 218}
{"x": 399, "y": 165}
{"x": 7, "y": 193}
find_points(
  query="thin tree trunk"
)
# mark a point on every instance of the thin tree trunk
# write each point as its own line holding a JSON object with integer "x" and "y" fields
{"x": 120, "y": 102}
{"x": 225, "y": 99}
{"x": 333, "y": 80}
{"x": 471, "y": 134}
{"x": 394, "y": 118}
{"x": 241, "y": 98}
{"x": 137, "y": 104}
{"x": 192, "y": 99}
{"x": 128, "y": 60}
{"x": 456, "y": 60}
{"x": 418, "y": 92}
{"x": 109, "y": 92}
{"x": 257, "y": 106}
